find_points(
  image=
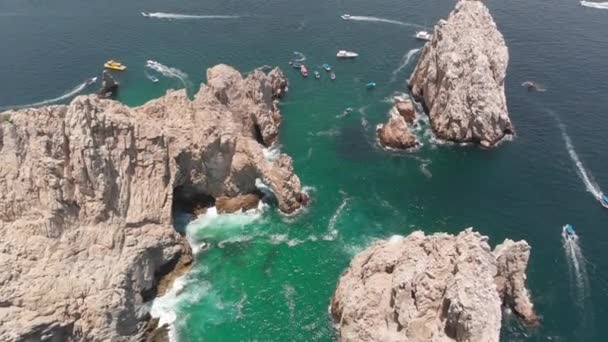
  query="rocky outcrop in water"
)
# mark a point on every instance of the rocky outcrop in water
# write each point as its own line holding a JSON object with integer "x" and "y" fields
{"x": 87, "y": 192}
{"x": 109, "y": 86}
{"x": 460, "y": 77}
{"x": 438, "y": 287}
{"x": 396, "y": 133}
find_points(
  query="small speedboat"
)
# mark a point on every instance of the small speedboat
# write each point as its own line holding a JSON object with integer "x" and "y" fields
{"x": 345, "y": 16}
{"x": 145, "y": 14}
{"x": 304, "y": 71}
{"x": 326, "y": 66}
{"x": 346, "y": 54}
{"x": 296, "y": 65}
{"x": 423, "y": 35}
{"x": 371, "y": 85}
{"x": 332, "y": 76}
{"x": 317, "y": 75}
{"x": 604, "y": 200}
{"x": 568, "y": 232}
{"x": 115, "y": 65}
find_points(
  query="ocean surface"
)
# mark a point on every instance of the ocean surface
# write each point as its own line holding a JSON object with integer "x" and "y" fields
{"x": 269, "y": 277}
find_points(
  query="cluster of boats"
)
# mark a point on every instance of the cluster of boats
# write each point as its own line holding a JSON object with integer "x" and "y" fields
{"x": 118, "y": 66}
{"x": 304, "y": 71}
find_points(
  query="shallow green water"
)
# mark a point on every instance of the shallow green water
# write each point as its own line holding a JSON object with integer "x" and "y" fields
{"x": 271, "y": 277}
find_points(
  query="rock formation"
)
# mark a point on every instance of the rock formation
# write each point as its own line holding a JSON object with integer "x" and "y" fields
{"x": 87, "y": 193}
{"x": 432, "y": 288}
{"x": 396, "y": 133}
{"x": 460, "y": 77}
{"x": 109, "y": 86}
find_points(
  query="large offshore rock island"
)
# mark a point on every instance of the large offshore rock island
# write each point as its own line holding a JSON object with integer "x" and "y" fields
{"x": 437, "y": 287}
{"x": 460, "y": 77}
{"x": 88, "y": 191}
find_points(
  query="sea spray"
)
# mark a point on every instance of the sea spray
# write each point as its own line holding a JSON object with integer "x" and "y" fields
{"x": 380, "y": 20}
{"x": 169, "y": 72}
{"x": 79, "y": 88}
{"x": 405, "y": 60}
{"x": 579, "y": 278}
{"x": 161, "y": 15}
{"x": 598, "y": 5}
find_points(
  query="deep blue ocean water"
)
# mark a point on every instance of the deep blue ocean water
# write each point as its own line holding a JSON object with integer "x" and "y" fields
{"x": 271, "y": 277}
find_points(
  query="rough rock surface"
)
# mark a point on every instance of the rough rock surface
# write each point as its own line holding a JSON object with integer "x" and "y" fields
{"x": 432, "y": 288}
{"x": 396, "y": 133}
{"x": 406, "y": 110}
{"x": 86, "y": 193}
{"x": 232, "y": 204}
{"x": 460, "y": 77}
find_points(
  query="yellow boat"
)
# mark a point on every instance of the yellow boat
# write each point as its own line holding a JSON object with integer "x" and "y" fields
{"x": 114, "y": 65}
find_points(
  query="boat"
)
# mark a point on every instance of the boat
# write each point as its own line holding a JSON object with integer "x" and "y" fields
{"x": 371, "y": 85}
{"x": 115, "y": 65}
{"x": 317, "y": 75}
{"x": 91, "y": 81}
{"x": 326, "y": 66}
{"x": 145, "y": 14}
{"x": 296, "y": 65}
{"x": 332, "y": 76}
{"x": 304, "y": 71}
{"x": 423, "y": 35}
{"x": 604, "y": 200}
{"x": 568, "y": 232}
{"x": 345, "y": 16}
{"x": 346, "y": 54}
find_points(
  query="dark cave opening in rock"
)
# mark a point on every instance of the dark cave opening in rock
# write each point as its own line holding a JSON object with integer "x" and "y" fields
{"x": 188, "y": 203}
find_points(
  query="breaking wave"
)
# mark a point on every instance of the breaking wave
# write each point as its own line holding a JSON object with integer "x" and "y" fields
{"x": 169, "y": 72}
{"x": 599, "y": 5}
{"x": 380, "y": 20}
{"x": 79, "y": 88}
{"x": 405, "y": 60}
{"x": 161, "y": 15}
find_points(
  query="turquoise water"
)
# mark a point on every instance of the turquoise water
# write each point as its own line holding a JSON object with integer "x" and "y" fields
{"x": 271, "y": 277}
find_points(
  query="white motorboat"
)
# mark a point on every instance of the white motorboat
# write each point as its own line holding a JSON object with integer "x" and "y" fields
{"x": 423, "y": 35}
{"x": 345, "y": 16}
{"x": 347, "y": 54}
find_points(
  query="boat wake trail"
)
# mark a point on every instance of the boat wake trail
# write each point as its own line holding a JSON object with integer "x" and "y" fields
{"x": 591, "y": 186}
{"x": 161, "y": 15}
{"x": 578, "y": 276}
{"x": 381, "y": 20}
{"x": 300, "y": 57}
{"x": 169, "y": 72}
{"x": 599, "y": 5}
{"x": 405, "y": 60}
{"x": 332, "y": 231}
{"x": 79, "y": 88}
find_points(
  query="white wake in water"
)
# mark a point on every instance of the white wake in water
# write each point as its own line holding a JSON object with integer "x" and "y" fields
{"x": 381, "y": 20}
{"x": 65, "y": 96}
{"x": 169, "y": 72}
{"x": 300, "y": 57}
{"x": 577, "y": 268}
{"x": 599, "y": 5}
{"x": 591, "y": 186}
{"x": 161, "y": 15}
{"x": 405, "y": 60}
{"x": 332, "y": 231}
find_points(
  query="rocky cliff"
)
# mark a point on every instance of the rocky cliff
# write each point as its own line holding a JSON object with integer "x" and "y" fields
{"x": 432, "y": 288}
{"x": 87, "y": 192}
{"x": 460, "y": 77}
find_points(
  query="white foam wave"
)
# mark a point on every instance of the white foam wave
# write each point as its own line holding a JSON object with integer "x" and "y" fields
{"x": 380, "y": 20}
{"x": 272, "y": 153}
{"x": 79, "y": 88}
{"x": 599, "y": 5}
{"x": 161, "y": 15}
{"x": 405, "y": 60}
{"x": 169, "y": 72}
{"x": 576, "y": 265}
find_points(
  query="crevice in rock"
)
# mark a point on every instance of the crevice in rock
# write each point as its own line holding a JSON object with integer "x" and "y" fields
{"x": 188, "y": 202}
{"x": 258, "y": 134}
